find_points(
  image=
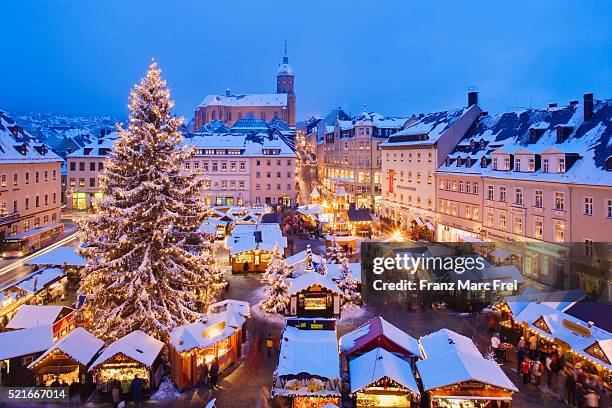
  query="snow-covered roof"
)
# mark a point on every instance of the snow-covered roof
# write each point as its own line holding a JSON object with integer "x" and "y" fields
{"x": 299, "y": 258}
{"x": 236, "y": 306}
{"x": 445, "y": 341}
{"x": 18, "y": 146}
{"x": 246, "y": 237}
{"x": 536, "y": 131}
{"x": 333, "y": 270}
{"x": 17, "y": 343}
{"x": 245, "y": 100}
{"x": 374, "y": 328}
{"x": 428, "y": 129}
{"x": 377, "y": 364}
{"x": 39, "y": 279}
{"x": 560, "y": 300}
{"x": 98, "y": 148}
{"x": 35, "y": 315}
{"x": 209, "y": 228}
{"x": 457, "y": 367}
{"x": 79, "y": 344}
{"x": 309, "y": 279}
{"x": 248, "y": 145}
{"x": 58, "y": 257}
{"x": 137, "y": 345}
{"x": 298, "y": 348}
{"x": 311, "y": 209}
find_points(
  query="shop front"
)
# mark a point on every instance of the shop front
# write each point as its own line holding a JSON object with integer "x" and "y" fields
{"x": 314, "y": 295}
{"x": 254, "y": 260}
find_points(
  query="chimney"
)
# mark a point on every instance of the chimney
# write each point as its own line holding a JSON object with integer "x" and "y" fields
{"x": 573, "y": 102}
{"x": 552, "y": 105}
{"x": 588, "y": 106}
{"x": 228, "y": 92}
{"x": 472, "y": 98}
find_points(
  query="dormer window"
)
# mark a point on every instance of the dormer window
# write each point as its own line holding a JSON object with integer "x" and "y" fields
{"x": 483, "y": 162}
{"x": 448, "y": 161}
{"x": 562, "y": 165}
{"x": 468, "y": 162}
{"x": 545, "y": 168}
{"x": 609, "y": 163}
{"x": 473, "y": 144}
{"x": 494, "y": 163}
{"x": 531, "y": 164}
{"x": 517, "y": 164}
{"x": 459, "y": 161}
{"x": 482, "y": 143}
{"x": 507, "y": 163}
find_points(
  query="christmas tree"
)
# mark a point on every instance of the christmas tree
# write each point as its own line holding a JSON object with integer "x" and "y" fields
{"x": 148, "y": 267}
{"x": 276, "y": 285}
{"x": 349, "y": 286}
{"x": 334, "y": 253}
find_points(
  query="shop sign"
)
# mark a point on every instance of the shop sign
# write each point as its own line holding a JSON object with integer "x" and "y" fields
{"x": 576, "y": 328}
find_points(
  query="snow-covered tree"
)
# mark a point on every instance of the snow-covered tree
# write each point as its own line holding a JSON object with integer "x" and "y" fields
{"x": 148, "y": 267}
{"x": 335, "y": 253}
{"x": 276, "y": 285}
{"x": 348, "y": 284}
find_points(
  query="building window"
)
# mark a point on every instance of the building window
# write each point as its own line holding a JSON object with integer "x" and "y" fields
{"x": 429, "y": 178}
{"x": 3, "y": 185}
{"x": 489, "y": 192}
{"x": 454, "y": 185}
{"x": 588, "y": 247}
{"x": 531, "y": 164}
{"x": 82, "y": 182}
{"x": 448, "y": 185}
{"x": 418, "y": 178}
{"x": 15, "y": 180}
{"x": 81, "y": 166}
{"x": 538, "y": 198}
{"x": 507, "y": 163}
{"x": 475, "y": 187}
{"x": 518, "y": 225}
{"x": 518, "y": 196}
{"x": 418, "y": 157}
{"x": 588, "y": 205}
{"x": 72, "y": 166}
{"x": 490, "y": 218}
{"x": 242, "y": 166}
{"x": 429, "y": 157}
{"x": 538, "y": 228}
{"x": 92, "y": 166}
{"x": 224, "y": 166}
{"x": 461, "y": 186}
{"x": 468, "y": 212}
{"x": 441, "y": 184}
{"x": 100, "y": 166}
{"x": 559, "y": 201}
{"x": 494, "y": 163}
{"x": 559, "y": 232}
{"x": 561, "y": 165}
{"x": 72, "y": 182}
{"x": 502, "y": 221}
{"x": 609, "y": 208}
{"x": 517, "y": 164}
{"x": 37, "y": 202}
{"x": 468, "y": 187}
{"x": 502, "y": 194}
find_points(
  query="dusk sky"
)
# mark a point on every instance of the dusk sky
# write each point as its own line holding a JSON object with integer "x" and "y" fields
{"x": 398, "y": 57}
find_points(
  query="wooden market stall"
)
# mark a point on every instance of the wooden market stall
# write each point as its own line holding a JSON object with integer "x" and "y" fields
{"x": 381, "y": 379}
{"x": 348, "y": 243}
{"x": 307, "y": 381}
{"x": 454, "y": 373}
{"x": 136, "y": 354}
{"x": 314, "y": 295}
{"x": 66, "y": 361}
{"x": 360, "y": 221}
{"x": 18, "y": 348}
{"x": 251, "y": 246}
{"x": 60, "y": 318}
{"x": 197, "y": 344}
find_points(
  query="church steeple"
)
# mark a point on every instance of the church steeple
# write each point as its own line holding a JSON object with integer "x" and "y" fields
{"x": 285, "y": 84}
{"x": 285, "y": 57}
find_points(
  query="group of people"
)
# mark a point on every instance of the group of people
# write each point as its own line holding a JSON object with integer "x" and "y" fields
{"x": 135, "y": 387}
{"x": 210, "y": 375}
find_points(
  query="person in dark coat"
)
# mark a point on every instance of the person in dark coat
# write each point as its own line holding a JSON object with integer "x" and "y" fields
{"x": 204, "y": 374}
{"x": 520, "y": 356}
{"x": 570, "y": 388}
{"x": 116, "y": 393}
{"x": 137, "y": 389}
{"x": 214, "y": 373}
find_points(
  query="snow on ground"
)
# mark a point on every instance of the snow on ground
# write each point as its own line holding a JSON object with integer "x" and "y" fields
{"x": 167, "y": 391}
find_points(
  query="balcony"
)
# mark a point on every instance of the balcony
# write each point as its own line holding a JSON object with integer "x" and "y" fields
{"x": 7, "y": 219}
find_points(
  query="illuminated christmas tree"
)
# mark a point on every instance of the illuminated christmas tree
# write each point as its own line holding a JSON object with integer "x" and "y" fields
{"x": 148, "y": 267}
{"x": 348, "y": 284}
{"x": 276, "y": 284}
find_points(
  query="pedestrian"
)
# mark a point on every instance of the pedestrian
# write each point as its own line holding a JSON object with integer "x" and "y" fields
{"x": 55, "y": 382}
{"x": 604, "y": 398}
{"x": 269, "y": 344}
{"x": 116, "y": 393}
{"x": 214, "y": 373}
{"x": 521, "y": 343}
{"x": 561, "y": 380}
{"x": 520, "y": 356}
{"x": 580, "y": 395}
{"x": 533, "y": 347}
{"x": 495, "y": 344}
{"x": 204, "y": 374}
{"x": 570, "y": 388}
{"x": 591, "y": 399}
{"x": 549, "y": 370}
{"x": 525, "y": 370}
{"x": 536, "y": 372}
{"x": 136, "y": 389}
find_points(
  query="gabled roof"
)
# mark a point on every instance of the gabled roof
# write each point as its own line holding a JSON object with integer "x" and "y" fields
{"x": 359, "y": 214}
{"x": 18, "y": 343}
{"x": 445, "y": 341}
{"x": 375, "y": 329}
{"x": 80, "y": 345}
{"x": 137, "y": 345}
{"x": 18, "y": 146}
{"x": 377, "y": 364}
{"x": 245, "y": 100}
{"x": 35, "y": 315}
{"x": 309, "y": 279}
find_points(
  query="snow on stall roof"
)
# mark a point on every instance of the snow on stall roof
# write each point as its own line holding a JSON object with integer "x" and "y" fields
{"x": 79, "y": 344}
{"x": 34, "y": 315}
{"x": 333, "y": 270}
{"x": 237, "y": 306}
{"x": 445, "y": 341}
{"x": 377, "y": 364}
{"x": 457, "y": 367}
{"x": 245, "y": 100}
{"x": 136, "y": 345}
{"x": 190, "y": 336}
{"x": 243, "y": 237}
{"x": 309, "y": 279}
{"x": 298, "y": 348}
{"x": 18, "y": 343}
{"x": 34, "y": 231}
{"x": 375, "y": 327}
{"x": 39, "y": 279}
{"x": 58, "y": 257}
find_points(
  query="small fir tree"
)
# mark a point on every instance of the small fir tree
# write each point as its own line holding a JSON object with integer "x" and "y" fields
{"x": 275, "y": 279}
{"x": 148, "y": 267}
{"x": 334, "y": 253}
{"x": 349, "y": 286}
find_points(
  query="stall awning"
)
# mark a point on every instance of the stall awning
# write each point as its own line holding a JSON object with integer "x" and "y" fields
{"x": 472, "y": 397}
{"x": 418, "y": 220}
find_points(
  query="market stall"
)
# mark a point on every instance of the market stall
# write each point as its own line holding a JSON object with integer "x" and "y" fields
{"x": 308, "y": 382}
{"x": 314, "y": 295}
{"x": 136, "y": 354}
{"x": 219, "y": 337}
{"x": 251, "y": 246}
{"x": 60, "y": 318}
{"x": 66, "y": 361}
{"x": 455, "y": 374}
{"x": 381, "y": 379}
{"x": 18, "y": 348}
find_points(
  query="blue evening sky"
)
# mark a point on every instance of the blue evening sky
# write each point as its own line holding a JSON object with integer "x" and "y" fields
{"x": 398, "y": 57}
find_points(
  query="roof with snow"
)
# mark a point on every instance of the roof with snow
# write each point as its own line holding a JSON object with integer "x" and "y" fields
{"x": 245, "y": 100}
{"x": 37, "y": 315}
{"x": 18, "y": 146}
{"x": 298, "y": 261}
{"x": 333, "y": 270}
{"x": 259, "y": 145}
{"x": 246, "y": 237}
{"x": 137, "y": 345}
{"x": 18, "y": 343}
{"x": 445, "y": 341}
{"x": 310, "y": 279}
{"x": 200, "y": 335}
{"x": 588, "y": 144}
{"x": 98, "y": 148}
{"x": 298, "y": 348}
{"x": 377, "y": 330}
{"x": 80, "y": 345}
{"x": 559, "y": 300}
{"x": 428, "y": 129}
{"x": 58, "y": 257}
{"x": 377, "y": 364}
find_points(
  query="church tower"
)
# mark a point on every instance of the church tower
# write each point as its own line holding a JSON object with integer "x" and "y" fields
{"x": 285, "y": 84}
